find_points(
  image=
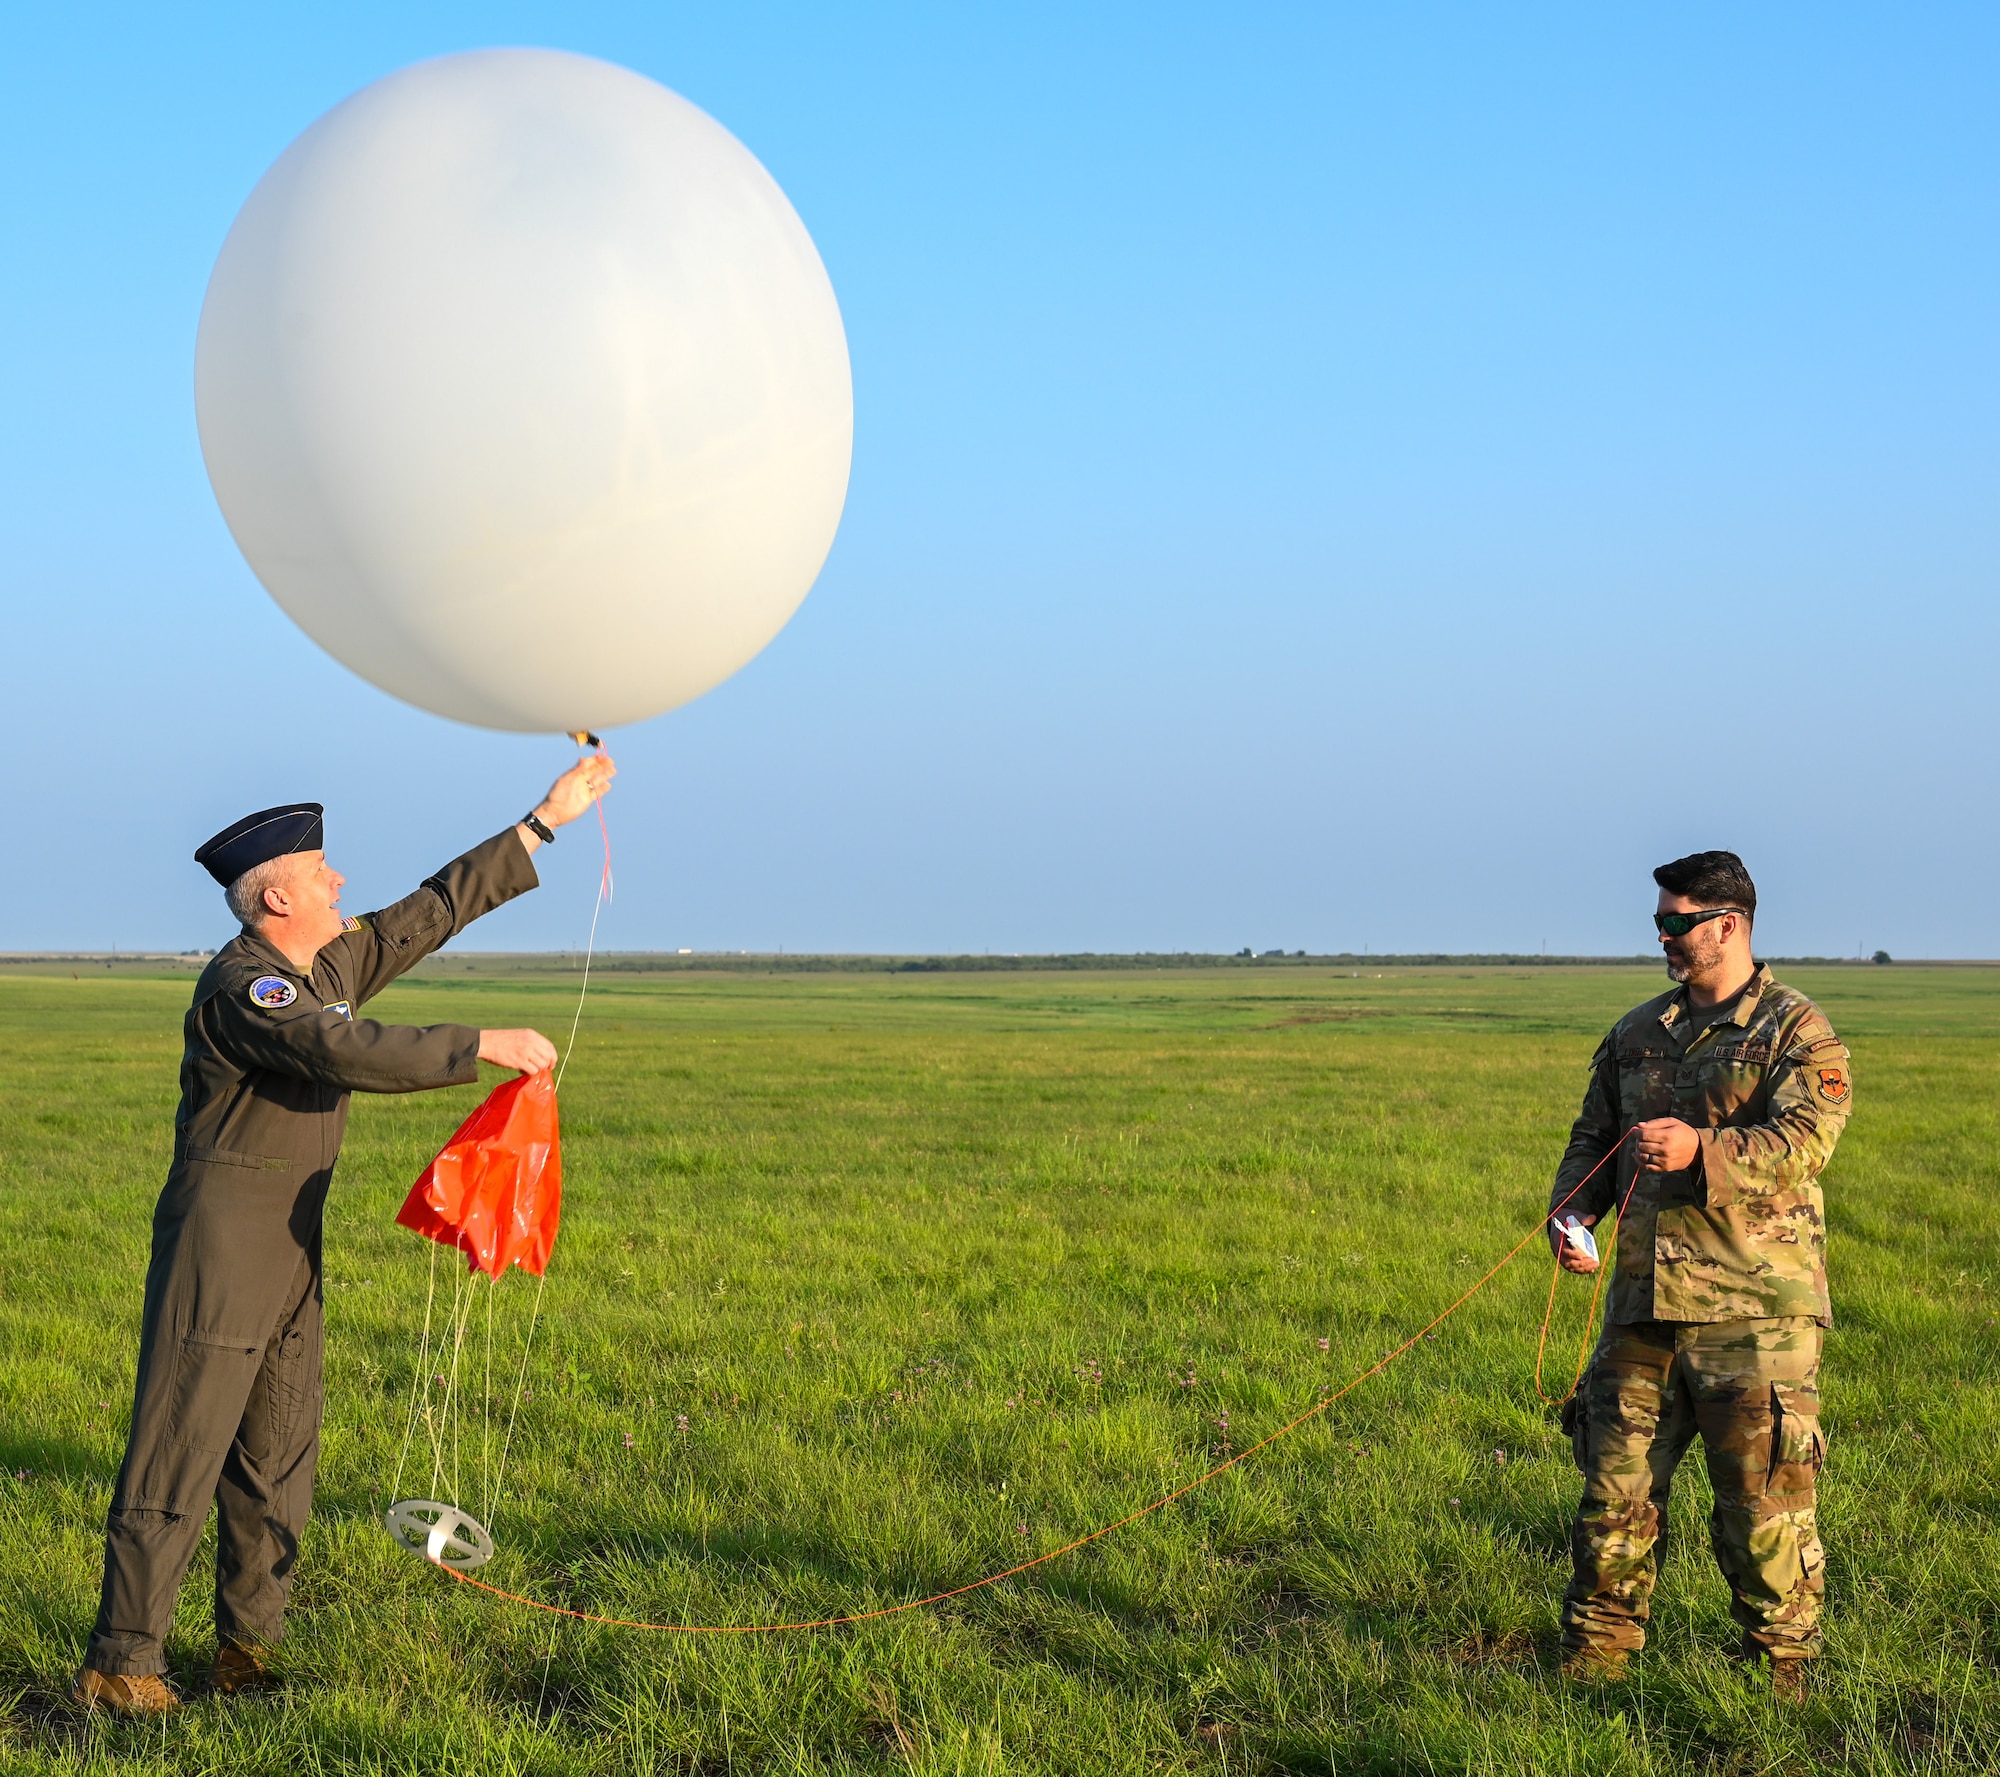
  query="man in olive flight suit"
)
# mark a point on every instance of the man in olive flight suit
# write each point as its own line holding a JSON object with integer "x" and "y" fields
{"x": 1733, "y": 1089}
{"x": 228, "y": 1398}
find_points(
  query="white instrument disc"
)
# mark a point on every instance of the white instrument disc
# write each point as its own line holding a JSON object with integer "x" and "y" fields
{"x": 440, "y": 1533}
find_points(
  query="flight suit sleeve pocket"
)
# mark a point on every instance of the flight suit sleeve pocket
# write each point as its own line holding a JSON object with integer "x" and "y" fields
{"x": 211, "y": 1389}
{"x": 1798, "y": 1444}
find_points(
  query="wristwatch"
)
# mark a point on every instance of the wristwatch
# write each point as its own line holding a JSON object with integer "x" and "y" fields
{"x": 539, "y": 827}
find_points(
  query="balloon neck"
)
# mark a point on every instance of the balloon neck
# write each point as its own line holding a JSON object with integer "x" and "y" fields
{"x": 584, "y": 738}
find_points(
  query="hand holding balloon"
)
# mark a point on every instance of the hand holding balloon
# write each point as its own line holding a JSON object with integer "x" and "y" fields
{"x": 526, "y": 1051}
{"x": 571, "y": 795}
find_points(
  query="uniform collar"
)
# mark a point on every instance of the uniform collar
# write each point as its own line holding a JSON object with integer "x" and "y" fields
{"x": 266, "y": 954}
{"x": 1678, "y": 1010}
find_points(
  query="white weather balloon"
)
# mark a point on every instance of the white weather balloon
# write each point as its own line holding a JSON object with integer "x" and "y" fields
{"x": 524, "y": 392}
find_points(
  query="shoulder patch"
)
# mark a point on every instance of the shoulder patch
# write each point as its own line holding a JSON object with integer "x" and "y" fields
{"x": 1833, "y": 1086}
{"x": 340, "y": 1008}
{"x": 272, "y": 992}
{"x": 350, "y": 924}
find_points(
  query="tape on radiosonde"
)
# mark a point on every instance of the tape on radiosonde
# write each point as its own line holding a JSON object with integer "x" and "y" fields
{"x": 1578, "y": 1236}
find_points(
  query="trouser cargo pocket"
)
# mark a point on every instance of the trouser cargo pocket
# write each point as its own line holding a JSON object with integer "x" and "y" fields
{"x": 1575, "y": 1419}
{"x": 1798, "y": 1445}
{"x": 212, "y": 1386}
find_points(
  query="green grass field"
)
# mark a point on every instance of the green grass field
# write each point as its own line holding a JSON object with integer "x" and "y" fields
{"x": 869, "y": 1285}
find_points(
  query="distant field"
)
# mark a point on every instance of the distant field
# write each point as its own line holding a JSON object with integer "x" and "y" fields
{"x": 872, "y": 1283}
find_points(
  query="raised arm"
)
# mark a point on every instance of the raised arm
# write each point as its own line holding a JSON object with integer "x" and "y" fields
{"x": 381, "y": 946}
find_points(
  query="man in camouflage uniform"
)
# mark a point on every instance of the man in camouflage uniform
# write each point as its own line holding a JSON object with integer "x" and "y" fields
{"x": 1732, "y": 1090}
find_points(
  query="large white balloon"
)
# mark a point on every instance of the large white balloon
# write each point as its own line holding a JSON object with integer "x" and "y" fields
{"x": 525, "y": 393}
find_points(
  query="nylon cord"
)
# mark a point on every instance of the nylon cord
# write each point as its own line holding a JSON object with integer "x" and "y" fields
{"x": 448, "y": 1411}
{"x": 520, "y": 1378}
{"x": 1604, "y": 1265}
{"x": 417, "y": 1385}
{"x": 993, "y": 1579}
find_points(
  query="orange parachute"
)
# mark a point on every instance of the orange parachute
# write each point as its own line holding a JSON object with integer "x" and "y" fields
{"x": 495, "y": 1189}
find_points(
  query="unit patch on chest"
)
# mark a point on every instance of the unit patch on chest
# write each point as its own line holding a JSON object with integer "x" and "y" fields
{"x": 272, "y": 992}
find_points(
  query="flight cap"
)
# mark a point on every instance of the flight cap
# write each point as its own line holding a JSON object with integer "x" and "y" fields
{"x": 260, "y": 837}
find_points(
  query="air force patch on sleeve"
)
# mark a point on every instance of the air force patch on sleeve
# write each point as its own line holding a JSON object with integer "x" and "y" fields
{"x": 341, "y": 1009}
{"x": 272, "y": 992}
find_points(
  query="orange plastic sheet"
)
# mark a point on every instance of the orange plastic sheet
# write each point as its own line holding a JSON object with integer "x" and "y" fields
{"x": 495, "y": 1189}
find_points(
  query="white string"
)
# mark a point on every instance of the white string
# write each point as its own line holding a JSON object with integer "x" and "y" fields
{"x": 417, "y": 1384}
{"x": 441, "y": 1419}
{"x": 589, "y": 952}
{"x": 590, "y": 949}
{"x": 513, "y": 1411}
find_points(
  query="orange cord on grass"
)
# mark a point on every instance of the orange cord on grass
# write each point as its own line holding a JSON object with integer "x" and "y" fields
{"x": 993, "y": 1579}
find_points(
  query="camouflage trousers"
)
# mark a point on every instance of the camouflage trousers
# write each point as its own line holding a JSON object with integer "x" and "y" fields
{"x": 1751, "y": 1389}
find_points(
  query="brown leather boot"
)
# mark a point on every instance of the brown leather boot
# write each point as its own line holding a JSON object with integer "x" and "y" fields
{"x": 238, "y": 1671}
{"x": 1788, "y": 1682}
{"x": 1589, "y": 1665}
{"x": 123, "y": 1693}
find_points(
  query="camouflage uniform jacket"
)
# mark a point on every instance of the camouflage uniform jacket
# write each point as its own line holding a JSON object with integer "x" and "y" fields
{"x": 1741, "y": 1234}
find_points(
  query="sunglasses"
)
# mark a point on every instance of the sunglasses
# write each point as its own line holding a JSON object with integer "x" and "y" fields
{"x": 1678, "y": 925}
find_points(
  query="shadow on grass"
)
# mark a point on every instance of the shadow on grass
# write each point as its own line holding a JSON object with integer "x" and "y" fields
{"x": 28, "y": 1457}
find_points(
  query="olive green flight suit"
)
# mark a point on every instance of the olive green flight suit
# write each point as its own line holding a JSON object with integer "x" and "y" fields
{"x": 1717, "y": 1311}
{"x": 227, "y": 1403}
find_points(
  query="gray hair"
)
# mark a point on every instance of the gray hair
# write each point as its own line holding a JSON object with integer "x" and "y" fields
{"x": 246, "y": 894}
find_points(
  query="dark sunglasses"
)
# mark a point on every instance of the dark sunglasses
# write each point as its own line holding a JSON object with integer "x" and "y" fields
{"x": 1678, "y": 925}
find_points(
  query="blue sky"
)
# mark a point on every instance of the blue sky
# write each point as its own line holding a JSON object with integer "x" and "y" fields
{"x": 1324, "y": 476}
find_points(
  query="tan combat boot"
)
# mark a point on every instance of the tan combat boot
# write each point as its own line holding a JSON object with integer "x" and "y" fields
{"x": 123, "y": 1693}
{"x": 238, "y": 1671}
{"x": 1589, "y": 1665}
{"x": 1788, "y": 1682}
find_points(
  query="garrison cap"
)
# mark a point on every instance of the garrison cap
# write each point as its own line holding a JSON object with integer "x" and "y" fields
{"x": 260, "y": 837}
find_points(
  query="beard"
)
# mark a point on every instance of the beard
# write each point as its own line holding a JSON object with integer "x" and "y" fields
{"x": 1699, "y": 950}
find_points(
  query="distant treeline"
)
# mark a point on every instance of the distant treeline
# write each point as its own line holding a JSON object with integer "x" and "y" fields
{"x": 655, "y": 962}
{"x": 668, "y": 962}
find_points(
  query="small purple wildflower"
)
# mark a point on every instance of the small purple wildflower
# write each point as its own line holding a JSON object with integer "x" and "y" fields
{"x": 1326, "y": 1344}
{"x": 681, "y": 1423}
{"x": 1454, "y": 1499}
{"x": 629, "y": 1440}
{"x": 1020, "y": 1530}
